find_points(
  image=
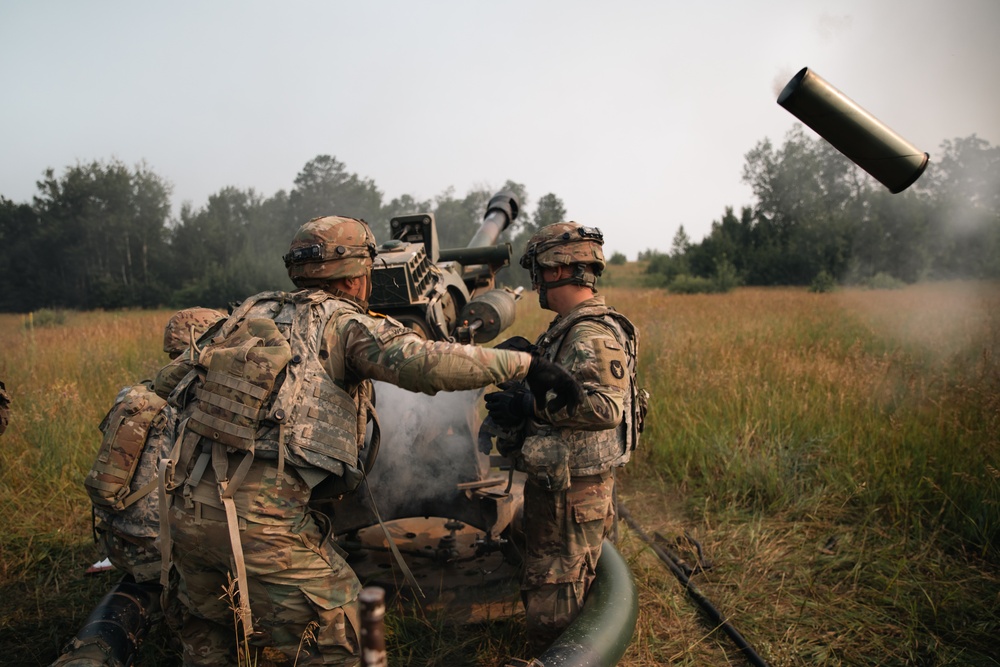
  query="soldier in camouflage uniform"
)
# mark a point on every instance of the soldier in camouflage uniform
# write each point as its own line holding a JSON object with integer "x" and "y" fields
{"x": 570, "y": 458}
{"x": 281, "y": 397}
{"x": 126, "y": 508}
{"x": 126, "y": 534}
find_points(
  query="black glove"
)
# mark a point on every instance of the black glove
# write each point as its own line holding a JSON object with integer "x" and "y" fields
{"x": 485, "y": 438}
{"x": 545, "y": 376}
{"x": 518, "y": 344}
{"x": 509, "y": 408}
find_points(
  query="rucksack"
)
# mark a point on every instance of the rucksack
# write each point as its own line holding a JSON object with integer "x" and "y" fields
{"x": 136, "y": 411}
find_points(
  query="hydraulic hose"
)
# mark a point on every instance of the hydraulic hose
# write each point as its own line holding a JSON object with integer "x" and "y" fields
{"x": 713, "y": 614}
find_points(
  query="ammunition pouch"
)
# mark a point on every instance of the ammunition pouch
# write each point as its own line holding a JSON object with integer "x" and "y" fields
{"x": 335, "y": 486}
{"x": 546, "y": 461}
{"x": 242, "y": 372}
{"x": 126, "y": 428}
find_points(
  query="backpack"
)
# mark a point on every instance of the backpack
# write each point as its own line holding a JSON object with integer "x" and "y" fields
{"x": 136, "y": 411}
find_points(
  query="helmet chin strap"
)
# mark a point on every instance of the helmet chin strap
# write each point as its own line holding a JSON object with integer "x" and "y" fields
{"x": 580, "y": 276}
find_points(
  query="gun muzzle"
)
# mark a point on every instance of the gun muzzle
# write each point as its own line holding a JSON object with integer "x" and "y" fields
{"x": 870, "y": 144}
{"x": 501, "y": 210}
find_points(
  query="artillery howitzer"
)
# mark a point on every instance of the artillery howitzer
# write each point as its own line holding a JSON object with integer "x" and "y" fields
{"x": 446, "y": 294}
{"x": 449, "y": 508}
{"x": 453, "y": 512}
{"x": 428, "y": 464}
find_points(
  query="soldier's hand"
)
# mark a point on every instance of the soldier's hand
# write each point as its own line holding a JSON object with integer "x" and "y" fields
{"x": 484, "y": 441}
{"x": 509, "y": 408}
{"x": 545, "y": 376}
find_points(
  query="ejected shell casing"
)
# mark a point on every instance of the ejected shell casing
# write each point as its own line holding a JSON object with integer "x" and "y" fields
{"x": 869, "y": 143}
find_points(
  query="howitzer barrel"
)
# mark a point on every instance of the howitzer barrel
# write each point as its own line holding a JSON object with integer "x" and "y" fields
{"x": 501, "y": 210}
{"x": 488, "y": 254}
{"x": 893, "y": 161}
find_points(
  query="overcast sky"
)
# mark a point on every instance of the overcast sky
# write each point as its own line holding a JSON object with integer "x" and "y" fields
{"x": 637, "y": 114}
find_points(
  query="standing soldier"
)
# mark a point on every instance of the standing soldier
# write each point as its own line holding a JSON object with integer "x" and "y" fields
{"x": 276, "y": 407}
{"x": 569, "y": 457}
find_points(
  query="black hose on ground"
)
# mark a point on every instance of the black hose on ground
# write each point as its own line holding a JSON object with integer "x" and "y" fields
{"x": 713, "y": 614}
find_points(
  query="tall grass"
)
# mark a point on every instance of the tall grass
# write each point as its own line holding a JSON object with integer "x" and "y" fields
{"x": 847, "y": 404}
{"x": 836, "y": 454}
{"x": 62, "y": 377}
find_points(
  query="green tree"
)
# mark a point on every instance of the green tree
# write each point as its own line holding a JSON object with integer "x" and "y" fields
{"x": 24, "y": 260}
{"x": 810, "y": 199}
{"x": 964, "y": 209}
{"x": 104, "y": 227}
{"x": 681, "y": 243}
{"x": 325, "y": 187}
{"x": 230, "y": 248}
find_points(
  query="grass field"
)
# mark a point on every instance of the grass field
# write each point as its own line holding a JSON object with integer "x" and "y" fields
{"x": 836, "y": 455}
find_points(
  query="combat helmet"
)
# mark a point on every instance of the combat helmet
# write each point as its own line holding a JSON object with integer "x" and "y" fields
{"x": 328, "y": 248}
{"x": 186, "y": 326}
{"x": 565, "y": 244}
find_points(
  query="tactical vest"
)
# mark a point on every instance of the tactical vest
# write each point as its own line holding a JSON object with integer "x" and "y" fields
{"x": 265, "y": 393}
{"x": 265, "y": 385}
{"x": 593, "y": 452}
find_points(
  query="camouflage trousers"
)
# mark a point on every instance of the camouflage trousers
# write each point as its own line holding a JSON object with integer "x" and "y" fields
{"x": 137, "y": 556}
{"x": 303, "y": 595}
{"x": 563, "y": 533}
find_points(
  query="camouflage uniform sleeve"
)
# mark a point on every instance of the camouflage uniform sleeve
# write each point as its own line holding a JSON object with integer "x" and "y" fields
{"x": 592, "y": 353}
{"x": 383, "y": 349}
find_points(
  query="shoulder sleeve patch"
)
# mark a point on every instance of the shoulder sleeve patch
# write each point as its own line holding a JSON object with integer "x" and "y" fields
{"x": 390, "y": 330}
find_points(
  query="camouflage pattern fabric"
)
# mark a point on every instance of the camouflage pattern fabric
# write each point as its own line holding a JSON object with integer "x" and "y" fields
{"x": 380, "y": 348}
{"x": 298, "y": 582}
{"x": 563, "y": 534}
{"x": 592, "y": 353}
{"x": 331, "y": 247}
{"x": 296, "y": 578}
{"x": 127, "y": 537}
{"x": 566, "y": 524}
{"x": 186, "y": 326}
{"x": 4, "y": 408}
{"x": 563, "y": 244}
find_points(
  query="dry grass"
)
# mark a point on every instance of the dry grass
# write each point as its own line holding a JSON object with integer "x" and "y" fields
{"x": 836, "y": 454}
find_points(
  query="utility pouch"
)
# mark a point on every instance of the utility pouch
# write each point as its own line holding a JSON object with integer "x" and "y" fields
{"x": 126, "y": 427}
{"x": 640, "y": 406}
{"x": 546, "y": 461}
{"x": 335, "y": 486}
{"x": 242, "y": 372}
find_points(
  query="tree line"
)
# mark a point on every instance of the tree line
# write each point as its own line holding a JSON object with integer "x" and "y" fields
{"x": 819, "y": 219}
{"x": 100, "y": 235}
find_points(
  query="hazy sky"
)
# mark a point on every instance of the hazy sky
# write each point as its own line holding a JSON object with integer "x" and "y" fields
{"x": 637, "y": 114}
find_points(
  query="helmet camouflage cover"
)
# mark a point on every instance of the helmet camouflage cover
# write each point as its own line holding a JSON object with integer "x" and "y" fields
{"x": 328, "y": 248}
{"x": 565, "y": 244}
{"x": 186, "y": 326}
